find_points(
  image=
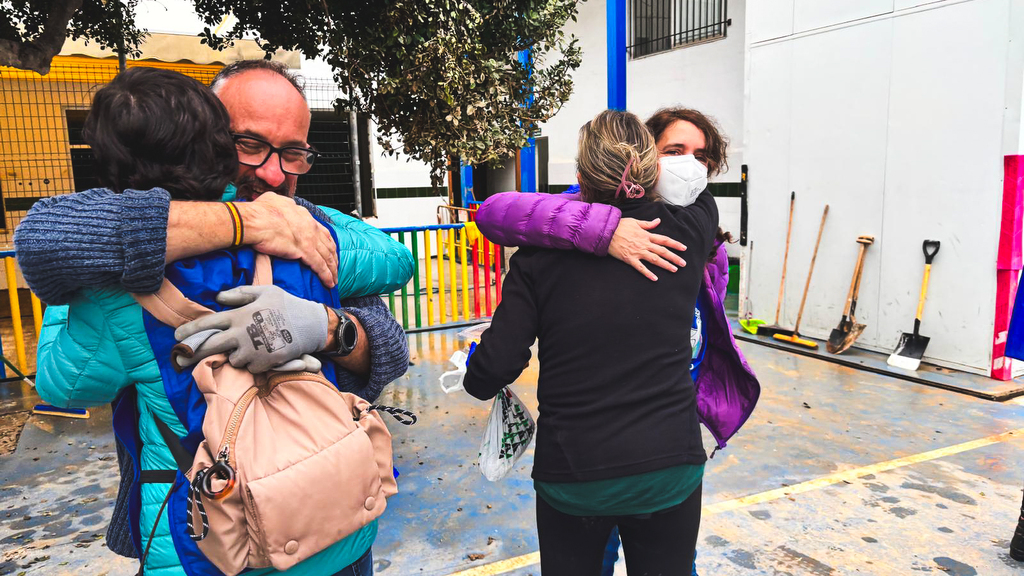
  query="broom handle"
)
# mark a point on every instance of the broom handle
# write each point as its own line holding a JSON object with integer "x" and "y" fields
{"x": 807, "y": 286}
{"x": 785, "y": 257}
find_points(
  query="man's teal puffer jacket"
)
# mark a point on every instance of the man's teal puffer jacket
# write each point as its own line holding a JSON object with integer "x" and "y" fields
{"x": 97, "y": 346}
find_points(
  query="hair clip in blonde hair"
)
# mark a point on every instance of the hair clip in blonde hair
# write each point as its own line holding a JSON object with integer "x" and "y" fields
{"x": 633, "y": 190}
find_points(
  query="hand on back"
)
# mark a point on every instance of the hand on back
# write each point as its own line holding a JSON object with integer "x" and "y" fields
{"x": 633, "y": 244}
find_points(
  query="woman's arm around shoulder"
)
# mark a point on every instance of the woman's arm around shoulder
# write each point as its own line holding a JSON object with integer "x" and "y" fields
{"x": 93, "y": 238}
{"x": 548, "y": 221}
{"x": 563, "y": 221}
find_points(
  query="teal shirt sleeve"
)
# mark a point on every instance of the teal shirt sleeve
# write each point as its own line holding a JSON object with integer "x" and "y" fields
{"x": 369, "y": 261}
{"x": 80, "y": 361}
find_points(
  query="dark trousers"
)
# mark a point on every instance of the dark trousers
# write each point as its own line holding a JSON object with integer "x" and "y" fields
{"x": 658, "y": 544}
{"x": 361, "y": 567}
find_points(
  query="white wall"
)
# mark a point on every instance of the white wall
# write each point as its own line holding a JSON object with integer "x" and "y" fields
{"x": 589, "y": 96}
{"x": 397, "y": 212}
{"x": 893, "y": 115}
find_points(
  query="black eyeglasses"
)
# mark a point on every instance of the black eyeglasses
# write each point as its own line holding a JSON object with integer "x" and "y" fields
{"x": 255, "y": 152}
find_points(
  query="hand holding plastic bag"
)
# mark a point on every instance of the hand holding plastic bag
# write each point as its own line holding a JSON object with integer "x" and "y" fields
{"x": 510, "y": 428}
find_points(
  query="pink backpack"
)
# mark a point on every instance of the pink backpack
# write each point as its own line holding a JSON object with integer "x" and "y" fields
{"x": 290, "y": 465}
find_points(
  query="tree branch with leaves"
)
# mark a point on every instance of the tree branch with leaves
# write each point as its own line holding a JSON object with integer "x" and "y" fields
{"x": 36, "y": 30}
{"x": 440, "y": 77}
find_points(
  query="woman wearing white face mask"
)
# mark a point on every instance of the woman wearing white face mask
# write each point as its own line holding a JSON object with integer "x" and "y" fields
{"x": 691, "y": 149}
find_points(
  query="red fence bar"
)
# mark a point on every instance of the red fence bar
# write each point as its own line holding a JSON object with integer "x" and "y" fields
{"x": 497, "y": 274}
{"x": 487, "y": 275}
{"x": 478, "y": 295}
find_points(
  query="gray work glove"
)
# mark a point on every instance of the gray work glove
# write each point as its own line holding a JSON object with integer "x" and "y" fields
{"x": 269, "y": 330}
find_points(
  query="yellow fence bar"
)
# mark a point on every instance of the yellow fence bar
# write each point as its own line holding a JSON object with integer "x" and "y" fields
{"x": 465, "y": 274}
{"x": 440, "y": 273}
{"x": 451, "y": 269}
{"x": 430, "y": 284}
{"x": 37, "y": 314}
{"x": 12, "y": 292}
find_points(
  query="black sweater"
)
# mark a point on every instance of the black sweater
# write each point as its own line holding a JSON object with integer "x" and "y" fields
{"x": 615, "y": 393}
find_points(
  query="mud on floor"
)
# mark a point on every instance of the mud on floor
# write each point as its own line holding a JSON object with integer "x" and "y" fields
{"x": 11, "y": 426}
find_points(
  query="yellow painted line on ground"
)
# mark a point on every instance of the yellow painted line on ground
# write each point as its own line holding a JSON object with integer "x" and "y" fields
{"x": 856, "y": 473}
{"x": 510, "y": 564}
{"x": 502, "y": 566}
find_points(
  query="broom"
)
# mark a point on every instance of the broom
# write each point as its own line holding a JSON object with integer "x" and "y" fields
{"x": 795, "y": 338}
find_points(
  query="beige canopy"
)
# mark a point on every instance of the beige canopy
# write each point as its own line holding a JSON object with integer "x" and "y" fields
{"x": 173, "y": 48}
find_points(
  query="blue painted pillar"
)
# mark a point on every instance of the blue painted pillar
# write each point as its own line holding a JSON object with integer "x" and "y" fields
{"x": 467, "y": 185}
{"x": 528, "y": 154}
{"x": 616, "y": 54}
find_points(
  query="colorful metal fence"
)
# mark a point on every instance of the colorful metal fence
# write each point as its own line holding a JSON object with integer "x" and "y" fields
{"x": 460, "y": 271}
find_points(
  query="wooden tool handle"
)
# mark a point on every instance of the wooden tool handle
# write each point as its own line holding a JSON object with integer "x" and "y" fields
{"x": 785, "y": 257}
{"x": 924, "y": 292}
{"x": 853, "y": 282}
{"x": 807, "y": 286}
{"x": 864, "y": 241}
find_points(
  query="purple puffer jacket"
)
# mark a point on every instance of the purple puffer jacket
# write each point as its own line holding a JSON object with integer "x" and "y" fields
{"x": 727, "y": 389}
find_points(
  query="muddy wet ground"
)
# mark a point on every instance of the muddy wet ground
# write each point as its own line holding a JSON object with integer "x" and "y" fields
{"x": 838, "y": 472}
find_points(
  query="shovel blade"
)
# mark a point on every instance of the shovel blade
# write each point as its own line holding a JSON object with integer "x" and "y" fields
{"x": 840, "y": 341}
{"x": 909, "y": 351}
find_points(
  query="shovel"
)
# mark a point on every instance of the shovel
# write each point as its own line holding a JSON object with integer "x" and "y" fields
{"x": 911, "y": 347}
{"x": 843, "y": 336}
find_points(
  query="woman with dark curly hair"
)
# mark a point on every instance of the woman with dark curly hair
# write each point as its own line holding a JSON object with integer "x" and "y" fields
{"x": 154, "y": 128}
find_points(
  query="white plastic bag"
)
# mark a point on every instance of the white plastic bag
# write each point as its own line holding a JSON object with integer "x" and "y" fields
{"x": 453, "y": 378}
{"x": 509, "y": 430}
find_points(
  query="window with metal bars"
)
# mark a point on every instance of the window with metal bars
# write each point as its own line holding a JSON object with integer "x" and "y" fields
{"x": 661, "y": 25}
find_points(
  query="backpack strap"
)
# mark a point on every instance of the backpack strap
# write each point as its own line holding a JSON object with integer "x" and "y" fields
{"x": 171, "y": 307}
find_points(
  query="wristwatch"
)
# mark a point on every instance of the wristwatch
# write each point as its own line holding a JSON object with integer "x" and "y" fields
{"x": 346, "y": 335}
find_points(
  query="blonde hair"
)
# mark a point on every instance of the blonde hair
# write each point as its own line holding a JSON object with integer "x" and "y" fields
{"x": 607, "y": 145}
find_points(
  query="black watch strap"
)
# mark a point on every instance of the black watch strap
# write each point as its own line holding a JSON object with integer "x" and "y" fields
{"x": 346, "y": 336}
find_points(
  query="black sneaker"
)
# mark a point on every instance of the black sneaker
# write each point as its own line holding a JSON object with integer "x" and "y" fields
{"x": 1017, "y": 543}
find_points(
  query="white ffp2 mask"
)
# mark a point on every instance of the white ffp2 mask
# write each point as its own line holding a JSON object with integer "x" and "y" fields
{"x": 682, "y": 179}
